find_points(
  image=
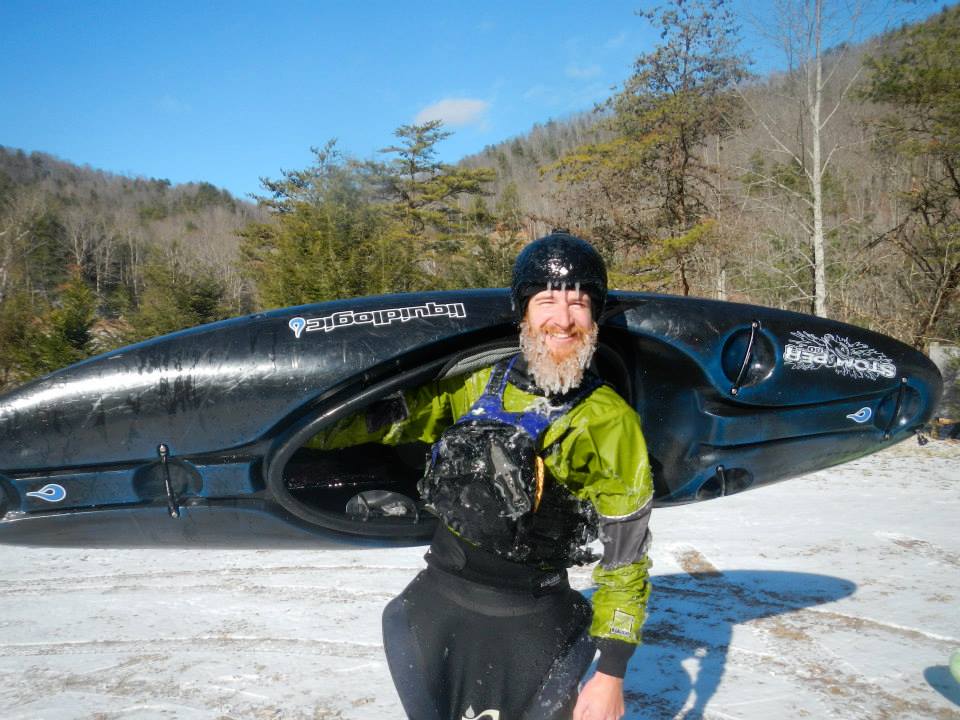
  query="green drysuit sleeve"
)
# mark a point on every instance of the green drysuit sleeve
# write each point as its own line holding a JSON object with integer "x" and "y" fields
{"x": 599, "y": 454}
{"x": 420, "y": 414}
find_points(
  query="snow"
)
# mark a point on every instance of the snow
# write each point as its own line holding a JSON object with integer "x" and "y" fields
{"x": 835, "y": 595}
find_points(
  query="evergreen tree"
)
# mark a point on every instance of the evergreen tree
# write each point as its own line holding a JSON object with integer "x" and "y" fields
{"x": 176, "y": 295}
{"x": 919, "y": 140}
{"x": 425, "y": 196}
{"x": 509, "y": 212}
{"x": 56, "y": 337}
{"x": 424, "y": 192}
{"x": 327, "y": 239}
{"x": 643, "y": 194}
{"x": 74, "y": 318}
{"x": 16, "y": 339}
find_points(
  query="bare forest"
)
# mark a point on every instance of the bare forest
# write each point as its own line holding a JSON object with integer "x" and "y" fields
{"x": 832, "y": 188}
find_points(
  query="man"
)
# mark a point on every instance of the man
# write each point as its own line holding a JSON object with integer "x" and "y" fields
{"x": 531, "y": 458}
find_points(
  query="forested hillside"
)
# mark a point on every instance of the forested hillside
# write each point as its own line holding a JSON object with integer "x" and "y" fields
{"x": 90, "y": 260}
{"x": 830, "y": 188}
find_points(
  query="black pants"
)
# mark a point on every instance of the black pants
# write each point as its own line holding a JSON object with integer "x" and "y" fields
{"x": 463, "y": 650}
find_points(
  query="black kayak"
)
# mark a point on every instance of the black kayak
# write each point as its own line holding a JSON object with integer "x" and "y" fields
{"x": 731, "y": 396}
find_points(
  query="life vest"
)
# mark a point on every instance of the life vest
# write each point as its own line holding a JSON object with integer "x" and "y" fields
{"x": 487, "y": 482}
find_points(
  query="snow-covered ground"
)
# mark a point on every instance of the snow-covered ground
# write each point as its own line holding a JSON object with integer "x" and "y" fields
{"x": 836, "y": 595}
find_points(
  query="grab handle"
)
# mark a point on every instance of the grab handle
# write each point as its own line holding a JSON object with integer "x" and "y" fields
{"x": 747, "y": 357}
{"x": 172, "y": 507}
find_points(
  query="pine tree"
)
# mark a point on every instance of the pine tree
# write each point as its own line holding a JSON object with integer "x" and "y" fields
{"x": 425, "y": 197}
{"x": 327, "y": 238}
{"x": 643, "y": 194}
{"x": 176, "y": 295}
{"x": 61, "y": 335}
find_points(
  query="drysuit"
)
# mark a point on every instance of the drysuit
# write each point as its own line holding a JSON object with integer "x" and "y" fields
{"x": 491, "y": 628}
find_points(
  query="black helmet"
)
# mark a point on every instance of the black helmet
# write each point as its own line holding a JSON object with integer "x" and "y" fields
{"x": 559, "y": 260}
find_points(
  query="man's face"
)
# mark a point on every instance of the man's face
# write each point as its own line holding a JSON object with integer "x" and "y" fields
{"x": 558, "y": 337}
{"x": 563, "y": 318}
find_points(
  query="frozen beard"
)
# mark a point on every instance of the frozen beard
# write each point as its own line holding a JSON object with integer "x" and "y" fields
{"x": 556, "y": 375}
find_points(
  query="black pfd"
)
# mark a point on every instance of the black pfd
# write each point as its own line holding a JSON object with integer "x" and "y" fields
{"x": 487, "y": 482}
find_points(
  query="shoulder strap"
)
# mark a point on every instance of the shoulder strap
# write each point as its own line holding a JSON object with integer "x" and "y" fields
{"x": 498, "y": 377}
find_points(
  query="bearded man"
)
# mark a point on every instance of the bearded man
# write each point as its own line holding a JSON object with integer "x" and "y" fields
{"x": 533, "y": 458}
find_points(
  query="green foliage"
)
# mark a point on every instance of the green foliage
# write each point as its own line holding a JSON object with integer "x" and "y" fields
{"x": 16, "y": 339}
{"x": 191, "y": 199}
{"x": 313, "y": 253}
{"x": 45, "y": 254}
{"x": 73, "y": 319}
{"x": 39, "y": 339}
{"x": 344, "y": 229}
{"x": 54, "y": 215}
{"x": 509, "y": 215}
{"x": 423, "y": 193}
{"x": 486, "y": 262}
{"x": 478, "y": 216}
{"x": 669, "y": 257}
{"x": 33, "y": 250}
{"x": 328, "y": 239}
{"x": 64, "y": 336}
{"x": 920, "y": 78}
{"x": 647, "y": 185}
{"x": 205, "y": 196}
{"x": 329, "y": 177}
{"x": 176, "y": 295}
{"x": 789, "y": 185}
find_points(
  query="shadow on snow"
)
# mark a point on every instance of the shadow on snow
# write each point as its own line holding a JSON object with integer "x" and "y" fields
{"x": 940, "y": 679}
{"x": 687, "y": 635}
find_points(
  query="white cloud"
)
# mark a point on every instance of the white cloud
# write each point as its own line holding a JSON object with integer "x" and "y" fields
{"x": 455, "y": 112}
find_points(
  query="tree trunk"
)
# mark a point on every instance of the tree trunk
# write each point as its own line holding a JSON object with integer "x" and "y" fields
{"x": 816, "y": 177}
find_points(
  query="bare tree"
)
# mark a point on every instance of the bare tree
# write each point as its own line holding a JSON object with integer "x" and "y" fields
{"x": 802, "y": 147}
{"x": 18, "y": 210}
{"x": 916, "y": 77}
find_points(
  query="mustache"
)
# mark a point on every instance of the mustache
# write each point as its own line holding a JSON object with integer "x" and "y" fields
{"x": 576, "y": 331}
{"x": 557, "y": 374}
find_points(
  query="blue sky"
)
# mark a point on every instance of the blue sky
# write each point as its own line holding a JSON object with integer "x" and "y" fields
{"x": 228, "y": 92}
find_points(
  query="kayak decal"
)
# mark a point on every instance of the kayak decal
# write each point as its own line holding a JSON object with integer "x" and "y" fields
{"x": 470, "y": 714}
{"x": 806, "y": 351}
{"x": 349, "y": 318}
{"x": 485, "y": 715}
{"x": 51, "y": 493}
{"x": 861, "y": 415}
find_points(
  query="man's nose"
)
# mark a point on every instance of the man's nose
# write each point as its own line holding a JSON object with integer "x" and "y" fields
{"x": 562, "y": 317}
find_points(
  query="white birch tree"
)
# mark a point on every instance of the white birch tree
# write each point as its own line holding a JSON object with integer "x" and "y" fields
{"x": 800, "y": 144}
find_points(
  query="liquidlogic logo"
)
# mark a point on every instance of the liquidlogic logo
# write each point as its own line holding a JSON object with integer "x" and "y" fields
{"x": 806, "y": 351}
{"x": 861, "y": 415}
{"x": 348, "y": 318}
{"x": 51, "y": 493}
